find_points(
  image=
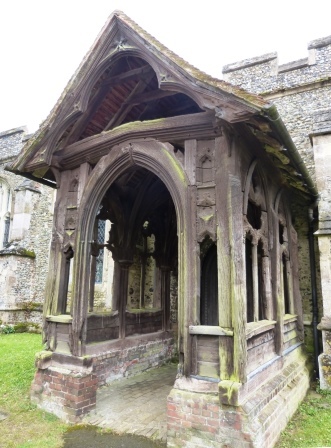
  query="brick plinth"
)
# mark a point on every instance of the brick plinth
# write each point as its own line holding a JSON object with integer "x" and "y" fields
{"x": 67, "y": 394}
{"x": 66, "y": 385}
{"x": 128, "y": 361}
{"x": 199, "y": 420}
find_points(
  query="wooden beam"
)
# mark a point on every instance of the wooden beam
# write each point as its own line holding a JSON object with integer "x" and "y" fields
{"x": 137, "y": 73}
{"x": 105, "y": 86}
{"x": 126, "y": 107}
{"x": 150, "y": 96}
{"x": 180, "y": 127}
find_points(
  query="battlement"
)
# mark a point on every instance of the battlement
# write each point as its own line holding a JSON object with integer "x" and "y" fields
{"x": 264, "y": 75}
{"x": 11, "y": 142}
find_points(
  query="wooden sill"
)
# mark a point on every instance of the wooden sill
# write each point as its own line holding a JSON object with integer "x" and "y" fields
{"x": 290, "y": 318}
{"x": 60, "y": 318}
{"x": 255, "y": 328}
{"x": 210, "y": 330}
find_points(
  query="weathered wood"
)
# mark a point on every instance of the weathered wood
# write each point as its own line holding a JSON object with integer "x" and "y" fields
{"x": 255, "y": 271}
{"x": 126, "y": 105}
{"x": 190, "y": 159}
{"x": 165, "y": 296}
{"x": 167, "y": 129}
{"x": 222, "y": 221}
{"x": 260, "y": 354}
{"x": 210, "y": 330}
{"x": 208, "y": 356}
{"x": 191, "y": 277}
{"x": 237, "y": 244}
{"x": 149, "y": 96}
{"x": 123, "y": 294}
{"x": 254, "y": 328}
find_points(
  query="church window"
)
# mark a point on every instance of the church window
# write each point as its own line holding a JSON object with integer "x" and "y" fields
{"x": 5, "y": 215}
{"x": 100, "y": 257}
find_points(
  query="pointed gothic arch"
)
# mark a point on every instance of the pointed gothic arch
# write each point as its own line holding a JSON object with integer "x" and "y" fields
{"x": 159, "y": 159}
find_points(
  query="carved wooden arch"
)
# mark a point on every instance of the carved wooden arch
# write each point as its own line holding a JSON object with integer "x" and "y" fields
{"x": 255, "y": 165}
{"x": 117, "y": 54}
{"x": 154, "y": 156}
{"x": 247, "y": 184}
{"x": 56, "y": 134}
{"x": 82, "y": 101}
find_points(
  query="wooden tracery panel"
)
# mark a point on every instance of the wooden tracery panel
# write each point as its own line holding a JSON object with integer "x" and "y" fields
{"x": 209, "y": 288}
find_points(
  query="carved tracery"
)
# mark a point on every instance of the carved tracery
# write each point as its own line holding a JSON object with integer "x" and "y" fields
{"x": 258, "y": 282}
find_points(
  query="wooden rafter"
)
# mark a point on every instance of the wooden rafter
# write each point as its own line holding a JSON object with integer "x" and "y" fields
{"x": 106, "y": 85}
{"x": 126, "y": 107}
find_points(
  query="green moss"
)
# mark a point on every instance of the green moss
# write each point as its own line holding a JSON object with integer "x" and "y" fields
{"x": 174, "y": 162}
{"x": 19, "y": 251}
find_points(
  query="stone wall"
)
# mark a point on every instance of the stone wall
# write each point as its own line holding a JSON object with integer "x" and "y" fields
{"x": 24, "y": 260}
{"x": 301, "y": 91}
{"x": 298, "y": 89}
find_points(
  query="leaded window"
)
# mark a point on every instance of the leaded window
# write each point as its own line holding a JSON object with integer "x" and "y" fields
{"x": 5, "y": 208}
{"x": 100, "y": 257}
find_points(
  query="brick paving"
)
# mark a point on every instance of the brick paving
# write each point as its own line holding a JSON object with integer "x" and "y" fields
{"x": 136, "y": 405}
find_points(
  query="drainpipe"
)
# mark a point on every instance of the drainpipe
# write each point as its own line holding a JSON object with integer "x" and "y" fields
{"x": 312, "y": 259}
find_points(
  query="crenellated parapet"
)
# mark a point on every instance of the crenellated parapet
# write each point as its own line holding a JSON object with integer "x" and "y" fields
{"x": 264, "y": 75}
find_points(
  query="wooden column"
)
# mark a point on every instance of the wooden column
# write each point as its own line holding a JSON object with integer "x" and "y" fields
{"x": 255, "y": 272}
{"x": 278, "y": 290}
{"x": 123, "y": 294}
{"x": 116, "y": 286}
{"x": 290, "y": 286}
{"x": 188, "y": 260}
{"x": 165, "y": 296}
{"x": 230, "y": 254}
{"x": 267, "y": 287}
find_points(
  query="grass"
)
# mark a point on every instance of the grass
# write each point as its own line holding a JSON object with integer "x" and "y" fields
{"x": 28, "y": 427}
{"x": 311, "y": 425}
{"x": 25, "y": 425}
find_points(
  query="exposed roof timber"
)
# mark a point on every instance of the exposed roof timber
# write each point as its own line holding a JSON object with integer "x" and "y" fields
{"x": 119, "y": 98}
{"x": 106, "y": 84}
{"x": 202, "y": 124}
{"x": 30, "y": 176}
{"x": 137, "y": 73}
{"x": 125, "y": 108}
{"x": 150, "y": 96}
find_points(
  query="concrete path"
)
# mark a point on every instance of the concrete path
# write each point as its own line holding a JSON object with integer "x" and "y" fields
{"x": 136, "y": 405}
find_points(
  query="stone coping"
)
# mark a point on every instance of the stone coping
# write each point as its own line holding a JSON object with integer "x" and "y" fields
{"x": 249, "y": 62}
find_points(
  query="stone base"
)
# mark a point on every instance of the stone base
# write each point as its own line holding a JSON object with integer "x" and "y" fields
{"x": 198, "y": 419}
{"x": 324, "y": 363}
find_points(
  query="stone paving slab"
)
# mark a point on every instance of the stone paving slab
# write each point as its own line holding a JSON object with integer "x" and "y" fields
{"x": 135, "y": 405}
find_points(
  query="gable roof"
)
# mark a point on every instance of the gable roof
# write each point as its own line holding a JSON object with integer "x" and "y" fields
{"x": 128, "y": 77}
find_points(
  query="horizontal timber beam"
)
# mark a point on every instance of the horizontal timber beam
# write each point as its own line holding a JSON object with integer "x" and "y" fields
{"x": 91, "y": 149}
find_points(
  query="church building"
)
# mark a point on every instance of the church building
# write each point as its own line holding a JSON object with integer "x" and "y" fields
{"x": 182, "y": 193}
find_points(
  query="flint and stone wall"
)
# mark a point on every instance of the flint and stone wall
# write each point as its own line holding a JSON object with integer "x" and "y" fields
{"x": 301, "y": 90}
{"x": 24, "y": 260}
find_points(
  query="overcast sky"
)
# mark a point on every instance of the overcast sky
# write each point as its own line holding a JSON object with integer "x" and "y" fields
{"x": 42, "y": 42}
